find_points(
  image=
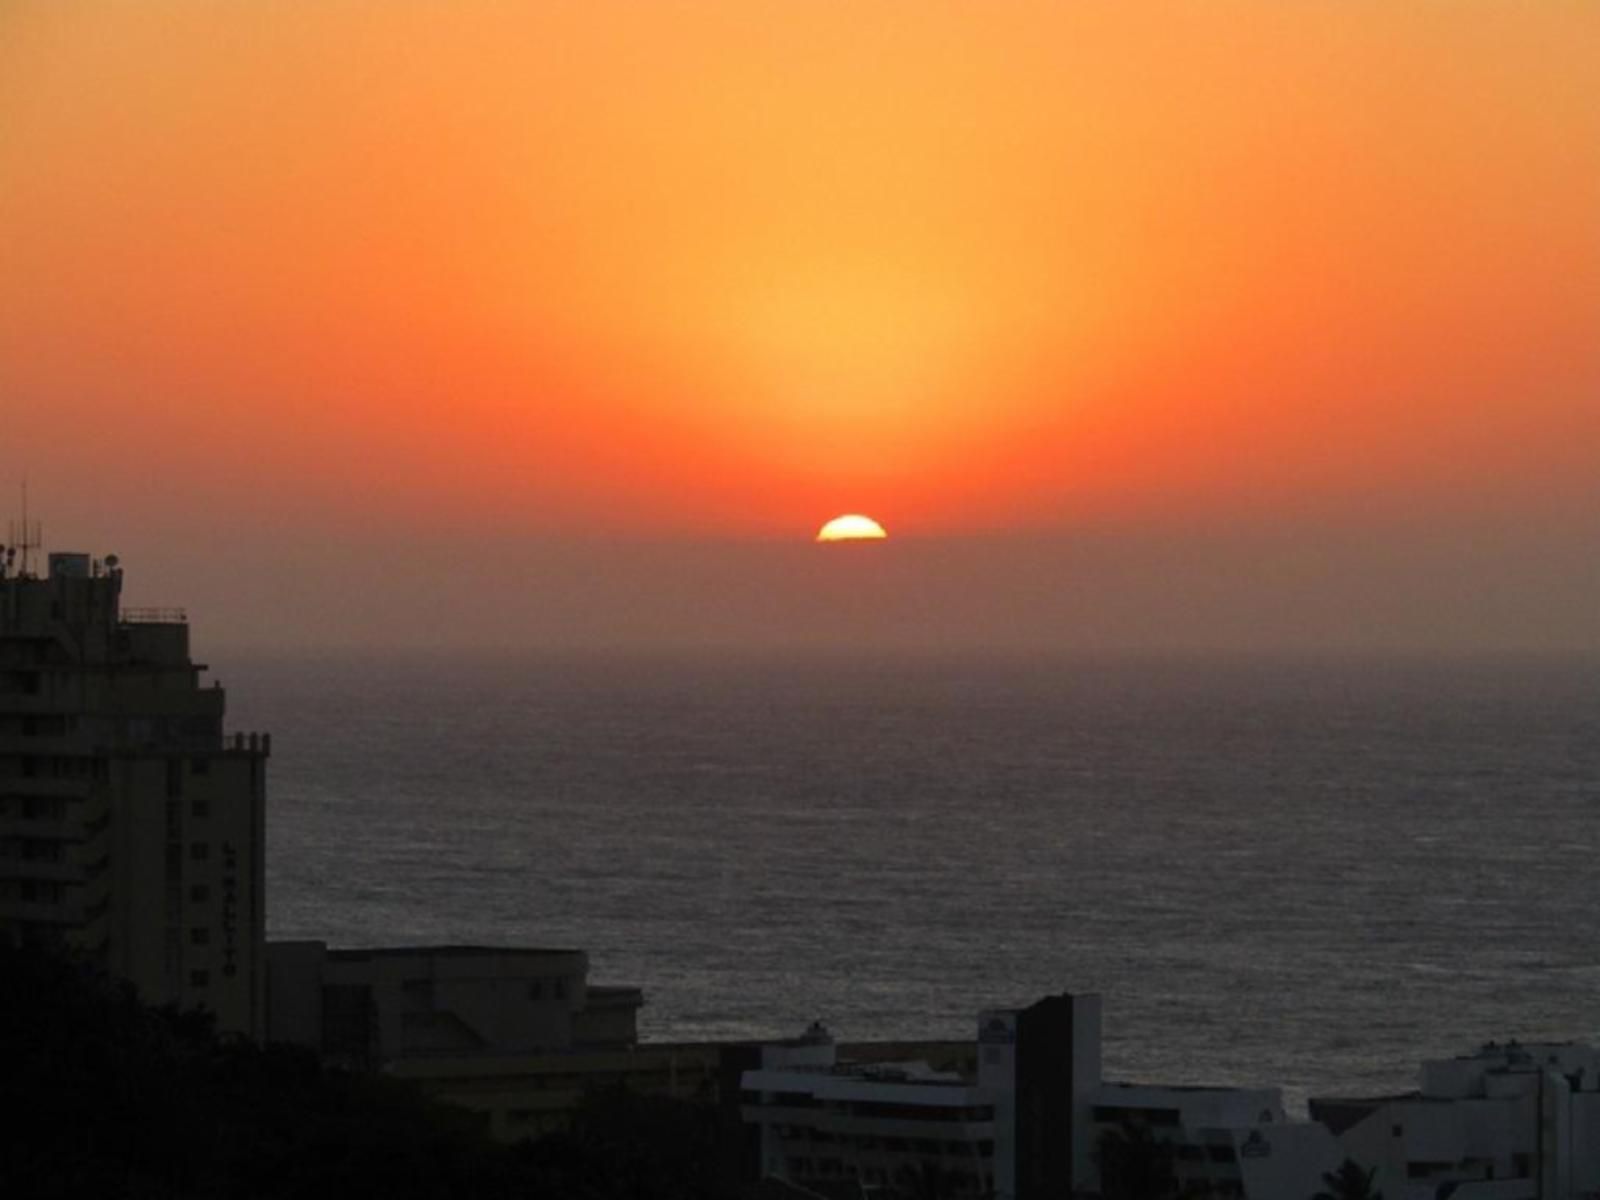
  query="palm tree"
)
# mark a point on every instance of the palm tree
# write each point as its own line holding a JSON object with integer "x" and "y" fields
{"x": 1349, "y": 1182}
{"x": 1135, "y": 1164}
{"x": 926, "y": 1181}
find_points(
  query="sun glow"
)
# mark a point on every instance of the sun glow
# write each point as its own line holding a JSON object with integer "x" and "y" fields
{"x": 708, "y": 269}
{"x": 852, "y": 527}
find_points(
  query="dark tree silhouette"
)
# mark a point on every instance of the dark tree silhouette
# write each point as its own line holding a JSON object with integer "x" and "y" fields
{"x": 623, "y": 1145}
{"x": 927, "y": 1181}
{"x": 1349, "y": 1182}
{"x": 1135, "y": 1164}
{"x": 120, "y": 1099}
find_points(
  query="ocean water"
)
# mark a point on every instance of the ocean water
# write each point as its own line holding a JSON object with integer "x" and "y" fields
{"x": 1298, "y": 873}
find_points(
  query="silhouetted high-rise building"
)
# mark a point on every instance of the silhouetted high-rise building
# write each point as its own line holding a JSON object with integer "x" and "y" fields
{"x": 131, "y": 826}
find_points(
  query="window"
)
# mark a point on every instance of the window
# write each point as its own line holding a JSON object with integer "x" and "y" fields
{"x": 200, "y": 808}
{"x": 199, "y": 979}
{"x": 199, "y": 852}
{"x": 536, "y": 990}
{"x": 199, "y": 937}
{"x": 199, "y": 894}
{"x": 200, "y": 765}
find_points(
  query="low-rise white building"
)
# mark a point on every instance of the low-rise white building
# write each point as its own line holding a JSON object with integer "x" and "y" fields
{"x": 1508, "y": 1122}
{"x": 1225, "y": 1141}
{"x": 1029, "y": 1123}
{"x": 871, "y": 1127}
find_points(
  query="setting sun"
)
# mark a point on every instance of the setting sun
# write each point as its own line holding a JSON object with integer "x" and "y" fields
{"x": 852, "y": 527}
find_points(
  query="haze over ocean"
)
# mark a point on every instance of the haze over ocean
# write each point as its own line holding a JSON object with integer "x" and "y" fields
{"x": 1306, "y": 872}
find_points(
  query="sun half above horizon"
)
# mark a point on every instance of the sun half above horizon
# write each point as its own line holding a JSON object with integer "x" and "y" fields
{"x": 852, "y": 527}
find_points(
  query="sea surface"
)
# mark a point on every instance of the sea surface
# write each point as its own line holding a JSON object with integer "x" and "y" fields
{"x": 1304, "y": 873}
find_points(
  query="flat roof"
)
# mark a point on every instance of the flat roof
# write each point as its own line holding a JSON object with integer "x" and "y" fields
{"x": 1374, "y": 1101}
{"x": 1220, "y": 1089}
{"x": 448, "y": 951}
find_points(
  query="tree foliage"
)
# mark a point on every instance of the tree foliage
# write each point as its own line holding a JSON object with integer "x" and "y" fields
{"x": 1135, "y": 1164}
{"x": 119, "y": 1099}
{"x": 1350, "y": 1182}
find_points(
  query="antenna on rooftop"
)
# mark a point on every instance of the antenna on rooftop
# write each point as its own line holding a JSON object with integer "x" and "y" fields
{"x": 25, "y": 536}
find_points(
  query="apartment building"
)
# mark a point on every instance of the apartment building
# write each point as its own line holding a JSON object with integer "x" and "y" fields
{"x": 131, "y": 824}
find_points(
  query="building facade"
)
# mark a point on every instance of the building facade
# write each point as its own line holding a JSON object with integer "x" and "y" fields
{"x": 131, "y": 825}
{"x": 1017, "y": 1127}
{"x": 374, "y": 1008}
{"x": 519, "y": 1036}
{"x": 1224, "y": 1142}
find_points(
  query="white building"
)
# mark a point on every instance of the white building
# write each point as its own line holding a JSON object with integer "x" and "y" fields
{"x": 1028, "y": 1124}
{"x": 1225, "y": 1141}
{"x": 131, "y": 826}
{"x": 872, "y": 1127}
{"x": 1509, "y": 1122}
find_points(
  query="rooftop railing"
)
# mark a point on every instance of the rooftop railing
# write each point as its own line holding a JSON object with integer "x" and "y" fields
{"x": 154, "y": 616}
{"x": 250, "y": 743}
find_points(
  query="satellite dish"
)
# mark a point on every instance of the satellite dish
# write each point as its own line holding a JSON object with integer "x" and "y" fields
{"x": 112, "y": 560}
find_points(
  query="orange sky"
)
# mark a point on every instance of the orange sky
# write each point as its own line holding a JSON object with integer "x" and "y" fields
{"x": 726, "y": 269}
{"x": 735, "y": 265}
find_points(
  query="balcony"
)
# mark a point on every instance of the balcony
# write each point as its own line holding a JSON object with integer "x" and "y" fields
{"x": 69, "y": 786}
{"x": 60, "y": 871}
{"x": 52, "y": 745}
{"x": 43, "y": 701}
{"x": 58, "y": 829}
{"x": 41, "y": 912}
